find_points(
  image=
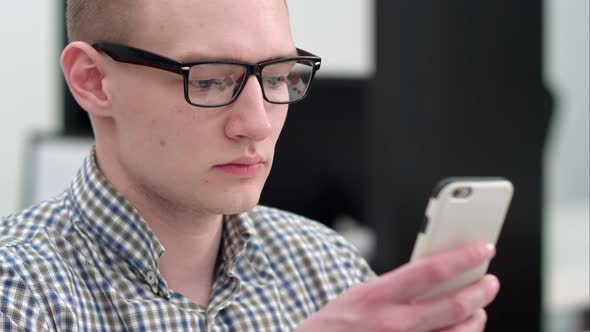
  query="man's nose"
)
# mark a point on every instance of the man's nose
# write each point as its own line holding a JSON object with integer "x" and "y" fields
{"x": 249, "y": 118}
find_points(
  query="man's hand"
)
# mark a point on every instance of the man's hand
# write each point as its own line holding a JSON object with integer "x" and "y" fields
{"x": 387, "y": 304}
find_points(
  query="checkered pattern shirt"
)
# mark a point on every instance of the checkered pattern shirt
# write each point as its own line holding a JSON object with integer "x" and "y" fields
{"x": 86, "y": 261}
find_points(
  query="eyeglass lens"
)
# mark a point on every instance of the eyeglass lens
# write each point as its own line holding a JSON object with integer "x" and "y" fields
{"x": 215, "y": 84}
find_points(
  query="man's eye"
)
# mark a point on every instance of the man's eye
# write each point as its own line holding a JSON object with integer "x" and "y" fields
{"x": 207, "y": 84}
{"x": 275, "y": 81}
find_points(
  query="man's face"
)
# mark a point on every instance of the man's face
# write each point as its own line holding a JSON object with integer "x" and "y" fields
{"x": 195, "y": 158}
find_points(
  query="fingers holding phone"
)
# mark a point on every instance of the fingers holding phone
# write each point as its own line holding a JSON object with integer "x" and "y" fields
{"x": 456, "y": 308}
{"x": 388, "y": 302}
{"x": 414, "y": 280}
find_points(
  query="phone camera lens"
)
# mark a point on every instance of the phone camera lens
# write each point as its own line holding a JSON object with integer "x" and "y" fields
{"x": 462, "y": 192}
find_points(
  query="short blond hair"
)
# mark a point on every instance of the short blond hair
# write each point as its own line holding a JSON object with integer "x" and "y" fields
{"x": 111, "y": 20}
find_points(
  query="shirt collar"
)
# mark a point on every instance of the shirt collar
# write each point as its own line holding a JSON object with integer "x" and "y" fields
{"x": 242, "y": 253}
{"x": 110, "y": 219}
{"x": 238, "y": 229}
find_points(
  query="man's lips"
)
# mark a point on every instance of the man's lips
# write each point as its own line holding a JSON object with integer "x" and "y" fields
{"x": 246, "y": 160}
{"x": 246, "y": 166}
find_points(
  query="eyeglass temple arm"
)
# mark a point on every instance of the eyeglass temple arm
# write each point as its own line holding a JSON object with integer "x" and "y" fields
{"x": 136, "y": 56}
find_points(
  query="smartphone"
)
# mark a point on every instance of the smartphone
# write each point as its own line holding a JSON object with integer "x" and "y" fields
{"x": 462, "y": 210}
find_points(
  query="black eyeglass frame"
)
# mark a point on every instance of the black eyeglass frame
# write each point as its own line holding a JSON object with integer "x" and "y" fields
{"x": 136, "y": 56}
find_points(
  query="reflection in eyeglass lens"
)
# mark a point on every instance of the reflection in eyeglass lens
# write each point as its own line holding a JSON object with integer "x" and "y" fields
{"x": 299, "y": 78}
{"x": 211, "y": 84}
{"x": 293, "y": 76}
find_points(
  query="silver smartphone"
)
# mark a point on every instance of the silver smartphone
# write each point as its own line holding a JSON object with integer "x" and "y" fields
{"x": 462, "y": 210}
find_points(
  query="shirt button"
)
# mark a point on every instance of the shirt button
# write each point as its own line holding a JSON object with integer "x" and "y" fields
{"x": 151, "y": 278}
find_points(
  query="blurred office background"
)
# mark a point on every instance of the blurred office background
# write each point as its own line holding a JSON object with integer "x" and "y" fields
{"x": 409, "y": 92}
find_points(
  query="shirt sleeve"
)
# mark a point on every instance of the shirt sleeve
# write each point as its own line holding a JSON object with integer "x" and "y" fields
{"x": 348, "y": 259}
{"x": 358, "y": 267}
{"x": 19, "y": 310}
{"x": 364, "y": 271}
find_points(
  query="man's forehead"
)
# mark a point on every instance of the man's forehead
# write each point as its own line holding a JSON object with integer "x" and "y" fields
{"x": 230, "y": 56}
{"x": 203, "y": 12}
{"x": 245, "y": 30}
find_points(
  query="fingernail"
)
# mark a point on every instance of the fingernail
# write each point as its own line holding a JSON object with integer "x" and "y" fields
{"x": 489, "y": 250}
{"x": 494, "y": 287}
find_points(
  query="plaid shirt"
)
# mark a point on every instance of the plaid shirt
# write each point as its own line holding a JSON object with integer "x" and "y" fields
{"x": 86, "y": 261}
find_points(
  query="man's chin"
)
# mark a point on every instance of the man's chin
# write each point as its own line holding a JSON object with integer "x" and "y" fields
{"x": 239, "y": 208}
{"x": 231, "y": 198}
{"x": 238, "y": 203}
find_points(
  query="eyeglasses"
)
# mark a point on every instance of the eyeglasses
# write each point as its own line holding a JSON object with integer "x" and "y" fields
{"x": 217, "y": 83}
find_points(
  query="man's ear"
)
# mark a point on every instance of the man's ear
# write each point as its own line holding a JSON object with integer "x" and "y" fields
{"x": 84, "y": 71}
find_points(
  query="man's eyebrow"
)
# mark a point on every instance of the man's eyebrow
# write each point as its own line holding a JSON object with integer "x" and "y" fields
{"x": 286, "y": 55}
{"x": 195, "y": 56}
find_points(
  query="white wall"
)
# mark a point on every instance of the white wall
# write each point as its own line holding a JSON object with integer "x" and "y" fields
{"x": 566, "y": 230}
{"x": 342, "y": 32}
{"x": 567, "y": 75}
{"x": 30, "y": 89}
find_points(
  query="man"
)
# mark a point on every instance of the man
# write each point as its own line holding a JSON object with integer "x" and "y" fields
{"x": 159, "y": 230}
